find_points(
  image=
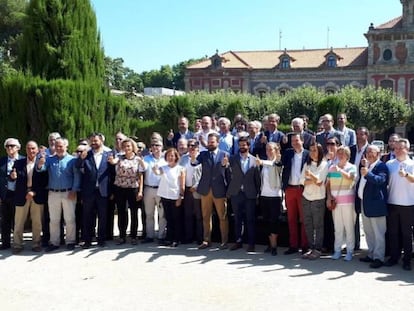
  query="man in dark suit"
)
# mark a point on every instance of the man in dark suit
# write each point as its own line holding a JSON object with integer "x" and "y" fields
{"x": 183, "y": 132}
{"x": 213, "y": 188}
{"x": 358, "y": 153}
{"x": 297, "y": 125}
{"x": 293, "y": 160}
{"x": 328, "y": 131}
{"x": 244, "y": 188}
{"x": 392, "y": 139}
{"x": 271, "y": 134}
{"x": 30, "y": 196}
{"x": 372, "y": 191}
{"x": 95, "y": 189}
{"x": 253, "y": 128}
{"x": 7, "y": 188}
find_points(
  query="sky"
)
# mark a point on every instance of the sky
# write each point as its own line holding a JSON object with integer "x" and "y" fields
{"x": 150, "y": 33}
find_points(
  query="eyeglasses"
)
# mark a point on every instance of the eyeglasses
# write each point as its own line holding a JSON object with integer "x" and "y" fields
{"x": 155, "y": 145}
{"x": 10, "y": 146}
{"x": 79, "y": 151}
{"x": 331, "y": 144}
{"x": 192, "y": 145}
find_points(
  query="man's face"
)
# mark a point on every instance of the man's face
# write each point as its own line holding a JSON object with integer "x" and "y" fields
{"x": 31, "y": 150}
{"x": 182, "y": 125}
{"x": 206, "y": 123}
{"x": 212, "y": 143}
{"x": 327, "y": 123}
{"x": 362, "y": 137}
{"x": 12, "y": 150}
{"x": 272, "y": 124}
{"x": 243, "y": 147}
{"x": 182, "y": 147}
{"x": 252, "y": 129}
{"x": 391, "y": 142}
{"x": 297, "y": 127}
{"x": 372, "y": 155}
{"x": 60, "y": 148}
{"x": 341, "y": 120}
{"x": 223, "y": 126}
{"x": 296, "y": 142}
{"x": 96, "y": 142}
{"x": 400, "y": 149}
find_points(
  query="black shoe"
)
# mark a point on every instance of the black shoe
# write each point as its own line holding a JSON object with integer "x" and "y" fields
{"x": 291, "y": 250}
{"x": 5, "y": 246}
{"x": 236, "y": 246}
{"x": 134, "y": 241}
{"x": 17, "y": 250}
{"x": 36, "y": 249}
{"x": 86, "y": 245}
{"x": 51, "y": 248}
{"x": 120, "y": 241}
{"x": 70, "y": 246}
{"x": 376, "y": 264}
{"x": 366, "y": 259}
{"x": 250, "y": 249}
{"x": 163, "y": 242}
{"x": 273, "y": 251}
{"x": 147, "y": 240}
{"x": 390, "y": 263}
{"x": 407, "y": 266}
{"x": 101, "y": 244}
{"x": 204, "y": 245}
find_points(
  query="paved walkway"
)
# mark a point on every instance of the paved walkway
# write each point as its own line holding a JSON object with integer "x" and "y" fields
{"x": 148, "y": 277}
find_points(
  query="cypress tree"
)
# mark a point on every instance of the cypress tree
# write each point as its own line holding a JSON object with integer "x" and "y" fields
{"x": 61, "y": 41}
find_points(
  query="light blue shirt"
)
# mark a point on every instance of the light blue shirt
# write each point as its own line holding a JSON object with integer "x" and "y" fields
{"x": 63, "y": 173}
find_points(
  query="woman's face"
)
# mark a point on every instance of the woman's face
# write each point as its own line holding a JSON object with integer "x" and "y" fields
{"x": 313, "y": 151}
{"x": 171, "y": 159}
{"x": 342, "y": 157}
{"x": 271, "y": 152}
{"x": 127, "y": 147}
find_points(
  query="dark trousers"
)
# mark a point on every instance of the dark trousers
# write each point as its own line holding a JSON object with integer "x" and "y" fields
{"x": 78, "y": 217}
{"x": 134, "y": 218}
{"x": 328, "y": 231}
{"x": 400, "y": 220}
{"x": 94, "y": 205}
{"x": 173, "y": 214}
{"x": 110, "y": 216}
{"x": 7, "y": 218}
{"x": 193, "y": 221}
{"x": 122, "y": 196}
{"x": 244, "y": 213}
{"x": 357, "y": 232}
{"x": 270, "y": 207}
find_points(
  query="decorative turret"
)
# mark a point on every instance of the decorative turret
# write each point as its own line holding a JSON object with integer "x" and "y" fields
{"x": 408, "y": 13}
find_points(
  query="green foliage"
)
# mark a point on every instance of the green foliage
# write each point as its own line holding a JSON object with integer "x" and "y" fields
{"x": 61, "y": 41}
{"x": 178, "y": 106}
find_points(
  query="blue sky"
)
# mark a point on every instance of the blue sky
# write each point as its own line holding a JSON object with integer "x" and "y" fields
{"x": 150, "y": 33}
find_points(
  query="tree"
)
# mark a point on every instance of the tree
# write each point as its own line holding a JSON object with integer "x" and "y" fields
{"x": 61, "y": 40}
{"x": 12, "y": 14}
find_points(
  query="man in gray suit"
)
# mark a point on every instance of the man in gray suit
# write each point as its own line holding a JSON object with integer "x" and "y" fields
{"x": 244, "y": 188}
{"x": 328, "y": 131}
{"x": 212, "y": 187}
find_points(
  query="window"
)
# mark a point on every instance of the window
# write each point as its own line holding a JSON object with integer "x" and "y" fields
{"x": 387, "y": 55}
{"x": 387, "y": 84}
{"x": 331, "y": 62}
{"x": 217, "y": 63}
{"x": 285, "y": 62}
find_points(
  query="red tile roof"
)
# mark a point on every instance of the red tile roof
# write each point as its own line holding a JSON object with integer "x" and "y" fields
{"x": 356, "y": 56}
{"x": 394, "y": 23}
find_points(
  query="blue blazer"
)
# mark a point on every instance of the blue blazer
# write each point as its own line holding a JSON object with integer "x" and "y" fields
{"x": 375, "y": 191}
{"x": 212, "y": 174}
{"x": 39, "y": 184}
{"x": 104, "y": 175}
{"x": 177, "y": 136}
{"x": 287, "y": 157}
{"x": 4, "y": 177}
{"x": 251, "y": 180}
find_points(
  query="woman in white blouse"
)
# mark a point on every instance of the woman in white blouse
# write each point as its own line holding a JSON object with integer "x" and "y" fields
{"x": 171, "y": 190}
{"x": 313, "y": 179}
{"x": 271, "y": 193}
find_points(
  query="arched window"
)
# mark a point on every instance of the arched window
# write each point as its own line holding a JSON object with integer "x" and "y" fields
{"x": 387, "y": 84}
{"x": 331, "y": 61}
{"x": 285, "y": 62}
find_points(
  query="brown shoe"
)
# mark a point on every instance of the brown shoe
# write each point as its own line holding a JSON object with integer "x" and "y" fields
{"x": 204, "y": 245}
{"x": 236, "y": 246}
{"x": 36, "y": 249}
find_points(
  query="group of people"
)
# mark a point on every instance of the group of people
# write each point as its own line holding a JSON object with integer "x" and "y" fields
{"x": 325, "y": 180}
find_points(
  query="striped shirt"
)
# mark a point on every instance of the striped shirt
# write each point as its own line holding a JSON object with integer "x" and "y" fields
{"x": 342, "y": 189}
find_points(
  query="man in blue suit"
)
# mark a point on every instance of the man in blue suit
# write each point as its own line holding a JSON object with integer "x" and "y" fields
{"x": 7, "y": 188}
{"x": 95, "y": 189}
{"x": 30, "y": 196}
{"x": 213, "y": 188}
{"x": 372, "y": 190}
{"x": 244, "y": 189}
{"x": 183, "y": 132}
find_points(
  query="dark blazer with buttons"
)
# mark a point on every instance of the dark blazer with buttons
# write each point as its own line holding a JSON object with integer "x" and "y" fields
{"x": 236, "y": 178}
{"x": 177, "y": 136}
{"x": 375, "y": 191}
{"x": 39, "y": 184}
{"x": 212, "y": 174}
{"x": 287, "y": 158}
{"x": 104, "y": 175}
{"x": 4, "y": 178}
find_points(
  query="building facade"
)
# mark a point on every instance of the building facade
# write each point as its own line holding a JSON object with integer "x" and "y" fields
{"x": 387, "y": 61}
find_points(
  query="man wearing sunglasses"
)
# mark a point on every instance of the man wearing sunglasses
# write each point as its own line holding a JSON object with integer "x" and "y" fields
{"x": 7, "y": 189}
